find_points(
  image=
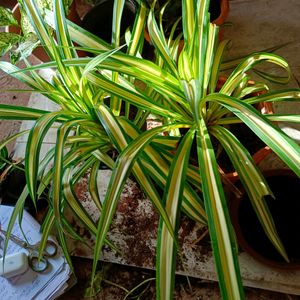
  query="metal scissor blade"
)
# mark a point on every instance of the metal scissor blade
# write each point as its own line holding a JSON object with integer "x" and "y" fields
{"x": 14, "y": 238}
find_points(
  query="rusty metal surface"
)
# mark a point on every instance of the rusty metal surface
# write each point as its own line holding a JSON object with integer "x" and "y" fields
{"x": 134, "y": 232}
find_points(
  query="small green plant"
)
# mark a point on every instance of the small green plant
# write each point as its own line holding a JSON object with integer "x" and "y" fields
{"x": 96, "y": 97}
{"x": 3, "y": 158}
{"x": 20, "y": 45}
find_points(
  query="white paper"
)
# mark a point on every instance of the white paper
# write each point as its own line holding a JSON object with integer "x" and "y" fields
{"x": 31, "y": 285}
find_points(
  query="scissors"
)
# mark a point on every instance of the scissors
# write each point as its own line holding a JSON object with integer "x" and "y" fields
{"x": 36, "y": 264}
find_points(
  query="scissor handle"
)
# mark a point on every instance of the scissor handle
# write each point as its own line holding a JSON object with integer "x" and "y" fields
{"x": 50, "y": 248}
{"x": 36, "y": 264}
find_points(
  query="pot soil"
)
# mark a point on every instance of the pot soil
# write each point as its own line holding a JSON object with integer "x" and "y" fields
{"x": 285, "y": 210}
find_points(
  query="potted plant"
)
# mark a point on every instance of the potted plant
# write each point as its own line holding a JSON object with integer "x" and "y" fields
{"x": 284, "y": 208}
{"x": 256, "y": 147}
{"x": 218, "y": 10}
{"x": 98, "y": 20}
{"x": 19, "y": 38}
{"x": 170, "y": 17}
{"x": 92, "y": 93}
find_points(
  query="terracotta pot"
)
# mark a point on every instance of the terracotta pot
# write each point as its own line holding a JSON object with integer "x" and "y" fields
{"x": 257, "y": 157}
{"x": 8, "y": 3}
{"x": 285, "y": 210}
{"x": 39, "y": 52}
{"x": 224, "y": 13}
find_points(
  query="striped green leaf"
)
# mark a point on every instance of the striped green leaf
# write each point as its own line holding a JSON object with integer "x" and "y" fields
{"x": 37, "y": 22}
{"x": 62, "y": 134}
{"x": 251, "y": 61}
{"x": 220, "y": 228}
{"x": 276, "y": 96}
{"x": 188, "y": 20}
{"x": 215, "y": 69}
{"x": 33, "y": 147}
{"x": 98, "y": 60}
{"x": 201, "y": 39}
{"x": 18, "y": 210}
{"x": 274, "y": 117}
{"x": 64, "y": 41}
{"x": 253, "y": 181}
{"x": 271, "y": 135}
{"x": 14, "y": 112}
{"x": 19, "y": 74}
{"x": 93, "y": 187}
{"x": 119, "y": 175}
{"x": 166, "y": 246}
{"x": 48, "y": 223}
{"x": 67, "y": 49}
{"x": 158, "y": 40}
{"x": 137, "y": 36}
{"x": 159, "y": 169}
{"x": 75, "y": 204}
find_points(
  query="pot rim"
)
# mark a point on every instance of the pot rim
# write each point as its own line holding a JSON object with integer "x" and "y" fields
{"x": 224, "y": 13}
{"x": 258, "y": 156}
{"x": 17, "y": 14}
{"x": 243, "y": 243}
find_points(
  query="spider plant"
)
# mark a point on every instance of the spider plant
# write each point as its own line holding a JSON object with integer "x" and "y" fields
{"x": 95, "y": 96}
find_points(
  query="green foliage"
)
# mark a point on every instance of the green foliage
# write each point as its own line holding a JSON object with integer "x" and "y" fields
{"x": 104, "y": 101}
{"x": 25, "y": 47}
{"x": 6, "y": 17}
{"x": 7, "y": 41}
{"x": 3, "y": 158}
{"x": 20, "y": 46}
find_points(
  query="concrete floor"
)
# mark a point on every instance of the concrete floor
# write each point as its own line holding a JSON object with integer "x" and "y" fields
{"x": 261, "y": 24}
{"x": 254, "y": 25}
{"x": 17, "y": 96}
{"x": 7, "y": 128}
